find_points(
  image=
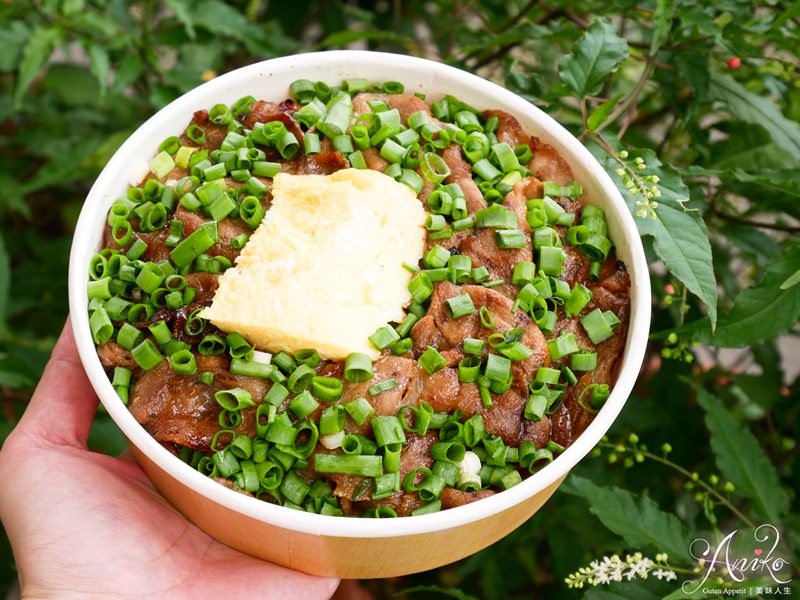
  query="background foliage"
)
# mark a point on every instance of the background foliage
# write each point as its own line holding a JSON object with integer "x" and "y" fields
{"x": 705, "y": 95}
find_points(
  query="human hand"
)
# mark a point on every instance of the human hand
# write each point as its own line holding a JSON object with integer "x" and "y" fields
{"x": 87, "y": 525}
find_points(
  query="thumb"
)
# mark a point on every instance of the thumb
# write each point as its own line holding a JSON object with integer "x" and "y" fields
{"x": 63, "y": 406}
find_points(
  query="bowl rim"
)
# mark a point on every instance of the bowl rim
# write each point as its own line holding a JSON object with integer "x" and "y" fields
{"x": 311, "y": 523}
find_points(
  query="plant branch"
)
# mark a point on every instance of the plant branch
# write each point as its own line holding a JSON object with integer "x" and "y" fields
{"x": 630, "y": 102}
{"x": 676, "y": 467}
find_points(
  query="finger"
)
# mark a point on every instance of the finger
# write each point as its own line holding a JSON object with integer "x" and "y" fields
{"x": 64, "y": 403}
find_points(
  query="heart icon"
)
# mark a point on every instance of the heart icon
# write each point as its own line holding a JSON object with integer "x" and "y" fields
{"x": 758, "y": 551}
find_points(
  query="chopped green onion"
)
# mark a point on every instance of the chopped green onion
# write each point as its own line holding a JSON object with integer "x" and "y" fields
{"x": 358, "y": 367}
{"x": 551, "y": 260}
{"x": 358, "y": 444}
{"x": 420, "y": 288}
{"x": 497, "y": 368}
{"x": 383, "y": 386}
{"x": 387, "y": 431}
{"x": 162, "y": 164}
{"x": 404, "y": 328}
{"x": 276, "y": 395}
{"x": 562, "y": 346}
{"x": 301, "y": 378}
{"x": 359, "y": 410}
{"x": 303, "y": 404}
{"x": 366, "y": 466}
{"x": 573, "y": 190}
{"x": 431, "y": 360}
{"x": 328, "y": 389}
{"x": 583, "y": 361}
{"x": 487, "y": 318}
{"x": 436, "y": 257}
{"x": 461, "y": 305}
{"x": 234, "y": 399}
{"x": 496, "y": 216}
{"x": 384, "y": 337}
{"x": 183, "y": 362}
{"x": 146, "y": 355}
{"x": 578, "y": 299}
{"x": 510, "y": 238}
{"x": 332, "y": 420}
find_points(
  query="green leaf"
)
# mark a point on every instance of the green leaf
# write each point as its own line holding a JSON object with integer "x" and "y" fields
{"x": 73, "y": 85}
{"x": 443, "y": 591}
{"x": 629, "y": 590}
{"x": 742, "y": 461}
{"x": 99, "y": 65}
{"x": 72, "y": 7}
{"x": 183, "y": 11}
{"x": 221, "y": 19}
{"x": 680, "y": 237}
{"x": 638, "y": 519}
{"x": 343, "y": 38}
{"x": 5, "y": 283}
{"x": 662, "y": 24}
{"x": 38, "y": 49}
{"x": 783, "y": 180}
{"x": 792, "y": 281}
{"x": 601, "y": 113}
{"x": 11, "y": 196}
{"x": 12, "y": 40}
{"x": 596, "y": 55}
{"x": 129, "y": 70}
{"x": 760, "y": 312}
{"x": 748, "y": 145}
{"x": 750, "y": 107}
{"x": 750, "y": 588}
{"x": 692, "y": 67}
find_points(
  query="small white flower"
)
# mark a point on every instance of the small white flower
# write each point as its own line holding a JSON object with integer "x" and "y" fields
{"x": 612, "y": 568}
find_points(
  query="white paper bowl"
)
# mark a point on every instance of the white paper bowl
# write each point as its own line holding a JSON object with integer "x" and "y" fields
{"x": 336, "y": 546}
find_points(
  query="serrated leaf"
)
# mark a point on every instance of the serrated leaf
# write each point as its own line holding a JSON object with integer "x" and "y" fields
{"x": 99, "y": 65}
{"x": 40, "y": 46}
{"x": 662, "y": 24}
{"x": 183, "y": 11}
{"x": 752, "y": 108}
{"x": 638, "y": 519}
{"x": 680, "y": 237}
{"x": 596, "y": 55}
{"x": 742, "y": 461}
{"x": 760, "y": 312}
{"x": 601, "y": 113}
